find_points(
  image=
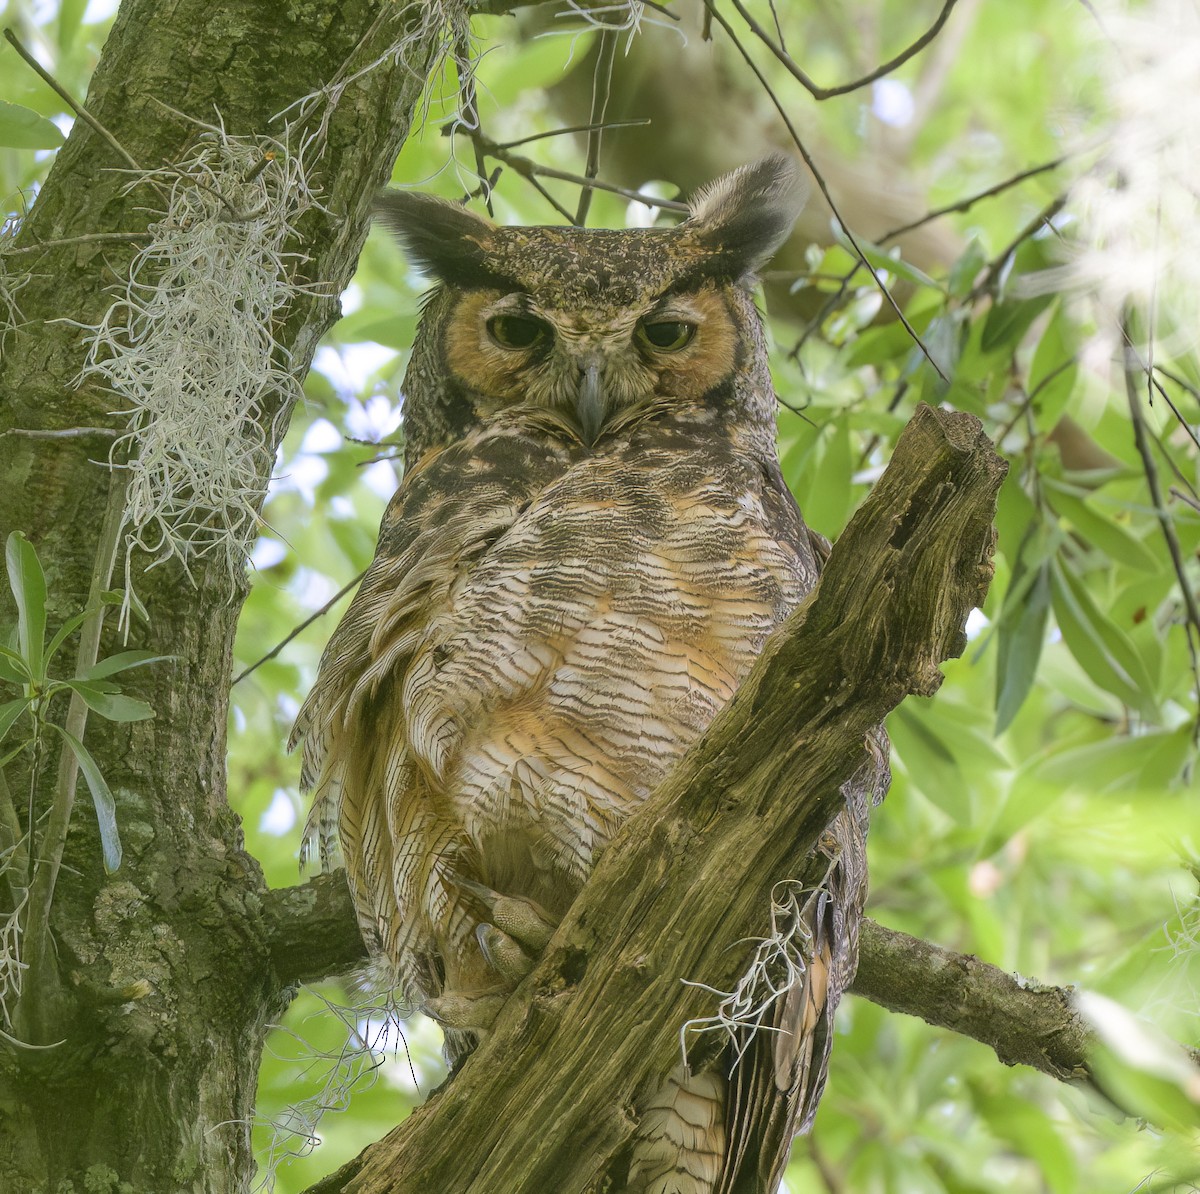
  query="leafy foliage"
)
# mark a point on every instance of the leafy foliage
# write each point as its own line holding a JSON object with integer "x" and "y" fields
{"x": 26, "y": 665}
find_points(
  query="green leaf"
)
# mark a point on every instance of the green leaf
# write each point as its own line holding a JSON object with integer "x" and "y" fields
{"x": 70, "y": 17}
{"x": 1020, "y": 640}
{"x": 12, "y": 667}
{"x": 123, "y": 661}
{"x": 829, "y": 499}
{"x": 1031, "y": 1132}
{"x": 943, "y": 341}
{"x": 1053, "y": 371}
{"x": 1140, "y": 1068}
{"x": 879, "y": 344}
{"x": 102, "y": 799}
{"x": 1099, "y": 646}
{"x": 111, "y": 705}
{"x": 1117, "y": 764}
{"x": 966, "y": 269}
{"x": 64, "y": 631}
{"x": 1111, "y": 538}
{"x": 28, "y": 584}
{"x": 1007, "y": 322}
{"x": 880, "y": 258}
{"x": 9, "y": 712}
{"x": 23, "y": 128}
{"x": 930, "y": 763}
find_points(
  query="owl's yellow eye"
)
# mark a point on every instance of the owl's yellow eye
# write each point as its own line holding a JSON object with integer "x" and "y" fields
{"x": 516, "y": 331}
{"x": 666, "y": 335}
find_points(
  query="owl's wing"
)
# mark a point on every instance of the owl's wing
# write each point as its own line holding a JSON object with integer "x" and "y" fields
{"x": 449, "y": 509}
{"x": 775, "y": 1088}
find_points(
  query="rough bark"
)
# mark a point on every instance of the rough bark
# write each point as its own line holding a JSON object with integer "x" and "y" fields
{"x": 546, "y": 1102}
{"x": 160, "y": 980}
{"x": 315, "y": 935}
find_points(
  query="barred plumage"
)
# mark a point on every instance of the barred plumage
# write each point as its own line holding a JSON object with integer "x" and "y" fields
{"x": 590, "y": 546}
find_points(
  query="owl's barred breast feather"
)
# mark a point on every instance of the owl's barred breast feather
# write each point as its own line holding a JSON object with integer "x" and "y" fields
{"x": 558, "y": 607}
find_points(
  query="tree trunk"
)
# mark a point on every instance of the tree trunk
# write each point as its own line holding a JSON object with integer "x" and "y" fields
{"x": 148, "y": 1013}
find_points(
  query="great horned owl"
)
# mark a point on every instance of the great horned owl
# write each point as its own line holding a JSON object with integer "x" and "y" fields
{"x": 591, "y": 544}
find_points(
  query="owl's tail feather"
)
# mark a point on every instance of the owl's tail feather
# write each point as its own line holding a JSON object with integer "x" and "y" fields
{"x": 679, "y": 1146}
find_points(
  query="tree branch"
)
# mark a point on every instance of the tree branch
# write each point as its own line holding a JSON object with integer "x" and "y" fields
{"x": 314, "y": 935}
{"x": 1025, "y": 1022}
{"x": 597, "y": 1023}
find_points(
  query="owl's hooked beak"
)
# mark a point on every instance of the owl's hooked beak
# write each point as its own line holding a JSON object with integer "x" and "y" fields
{"x": 591, "y": 401}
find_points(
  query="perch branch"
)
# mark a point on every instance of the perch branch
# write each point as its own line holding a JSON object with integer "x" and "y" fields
{"x": 314, "y": 935}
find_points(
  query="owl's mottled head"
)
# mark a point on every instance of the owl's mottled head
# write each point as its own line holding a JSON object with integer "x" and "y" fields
{"x": 592, "y": 322}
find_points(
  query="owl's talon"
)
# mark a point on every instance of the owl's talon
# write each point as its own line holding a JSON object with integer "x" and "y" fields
{"x": 475, "y": 1012}
{"x": 525, "y": 921}
{"x": 503, "y": 954}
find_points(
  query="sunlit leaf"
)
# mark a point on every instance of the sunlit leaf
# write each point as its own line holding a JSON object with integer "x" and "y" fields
{"x": 114, "y": 706}
{"x": 1053, "y": 371}
{"x": 1032, "y": 1132}
{"x": 1008, "y": 321}
{"x": 22, "y": 128}
{"x": 884, "y": 259}
{"x": 1147, "y": 761}
{"x": 1102, "y": 649}
{"x": 965, "y": 270}
{"x": 1110, "y": 537}
{"x": 1144, "y": 1072}
{"x": 28, "y": 585}
{"x": 123, "y": 661}
{"x": 1021, "y": 635}
{"x": 9, "y": 712}
{"x": 102, "y": 800}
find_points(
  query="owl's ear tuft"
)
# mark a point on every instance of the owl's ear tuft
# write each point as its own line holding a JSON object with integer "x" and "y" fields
{"x": 442, "y": 238}
{"x": 744, "y": 216}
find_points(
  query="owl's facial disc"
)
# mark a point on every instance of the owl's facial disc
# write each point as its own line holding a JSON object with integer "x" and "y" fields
{"x": 591, "y": 364}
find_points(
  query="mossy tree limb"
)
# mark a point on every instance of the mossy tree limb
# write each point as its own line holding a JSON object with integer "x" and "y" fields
{"x": 158, "y": 980}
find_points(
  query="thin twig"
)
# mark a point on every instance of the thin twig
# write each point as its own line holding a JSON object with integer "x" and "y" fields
{"x": 64, "y": 433}
{"x": 1187, "y": 427}
{"x": 1141, "y": 442}
{"x": 1040, "y": 221}
{"x": 554, "y": 203}
{"x": 301, "y": 628}
{"x": 469, "y": 114}
{"x": 824, "y": 93}
{"x": 824, "y": 188}
{"x": 1027, "y": 402}
{"x": 845, "y": 280}
{"x": 68, "y": 99}
{"x": 527, "y": 168}
{"x": 970, "y": 201}
{"x": 1185, "y": 498}
{"x": 1181, "y": 382}
{"x": 90, "y": 238}
{"x": 662, "y": 8}
{"x": 574, "y": 128}
{"x": 601, "y": 89}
